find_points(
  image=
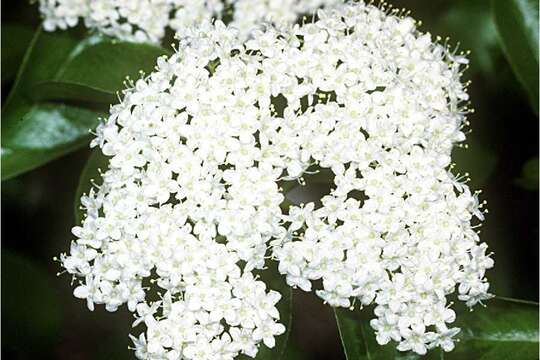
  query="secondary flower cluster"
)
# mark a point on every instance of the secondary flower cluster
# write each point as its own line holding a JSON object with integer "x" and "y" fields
{"x": 148, "y": 20}
{"x": 395, "y": 230}
{"x": 192, "y": 200}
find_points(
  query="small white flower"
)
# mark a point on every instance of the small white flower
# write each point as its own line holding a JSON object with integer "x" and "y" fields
{"x": 88, "y": 290}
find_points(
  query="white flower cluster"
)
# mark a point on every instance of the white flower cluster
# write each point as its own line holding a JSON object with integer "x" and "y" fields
{"x": 131, "y": 20}
{"x": 184, "y": 205}
{"x": 148, "y": 20}
{"x": 199, "y": 151}
{"x": 249, "y": 15}
{"x": 395, "y": 230}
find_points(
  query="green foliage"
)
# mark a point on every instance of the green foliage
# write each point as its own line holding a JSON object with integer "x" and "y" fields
{"x": 61, "y": 67}
{"x": 358, "y": 339}
{"x": 42, "y": 132}
{"x": 469, "y": 23}
{"x": 477, "y": 160}
{"x": 33, "y": 325}
{"x": 292, "y": 352}
{"x": 529, "y": 175}
{"x": 98, "y": 70}
{"x": 90, "y": 175}
{"x": 517, "y": 24}
{"x": 505, "y": 329}
{"x": 15, "y": 39}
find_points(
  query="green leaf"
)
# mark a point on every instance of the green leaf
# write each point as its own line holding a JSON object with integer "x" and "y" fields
{"x": 31, "y": 307}
{"x": 15, "y": 40}
{"x": 358, "y": 338}
{"x": 517, "y": 25}
{"x": 106, "y": 63}
{"x": 476, "y": 159}
{"x": 98, "y": 70}
{"x": 470, "y": 23}
{"x": 43, "y": 132}
{"x": 61, "y": 67}
{"x": 506, "y": 329}
{"x": 91, "y": 174}
{"x": 351, "y": 331}
{"x": 529, "y": 175}
{"x": 293, "y": 352}
{"x": 64, "y": 90}
{"x": 34, "y": 133}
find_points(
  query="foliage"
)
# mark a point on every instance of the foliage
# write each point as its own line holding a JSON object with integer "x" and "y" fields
{"x": 504, "y": 329}
{"x": 517, "y": 23}
{"x": 36, "y": 324}
{"x": 51, "y": 107}
{"x": 529, "y": 175}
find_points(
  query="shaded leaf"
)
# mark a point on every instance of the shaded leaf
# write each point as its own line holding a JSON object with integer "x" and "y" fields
{"x": 32, "y": 312}
{"x": 358, "y": 338}
{"x": 517, "y": 25}
{"x": 477, "y": 160}
{"x": 43, "y": 122}
{"x": 63, "y": 90}
{"x": 104, "y": 63}
{"x": 91, "y": 174}
{"x": 506, "y": 329}
{"x": 97, "y": 70}
{"x": 529, "y": 175}
{"x": 292, "y": 352}
{"x": 470, "y": 23}
{"x": 60, "y": 66}
{"x": 15, "y": 40}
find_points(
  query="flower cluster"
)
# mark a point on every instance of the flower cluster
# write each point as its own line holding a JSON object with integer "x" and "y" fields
{"x": 186, "y": 204}
{"x": 395, "y": 230}
{"x": 249, "y": 15}
{"x": 201, "y": 149}
{"x": 148, "y": 20}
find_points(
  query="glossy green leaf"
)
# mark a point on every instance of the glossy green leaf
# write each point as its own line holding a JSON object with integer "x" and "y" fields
{"x": 43, "y": 132}
{"x": 91, "y": 174}
{"x": 517, "y": 25}
{"x": 28, "y": 127}
{"x": 15, "y": 40}
{"x": 352, "y": 333}
{"x": 358, "y": 339}
{"x": 506, "y": 329}
{"x": 106, "y": 63}
{"x": 61, "y": 67}
{"x": 66, "y": 91}
{"x": 98, "y": 69}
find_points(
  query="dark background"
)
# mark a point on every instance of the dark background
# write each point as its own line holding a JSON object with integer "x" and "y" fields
{"x": 41, "y": 319}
